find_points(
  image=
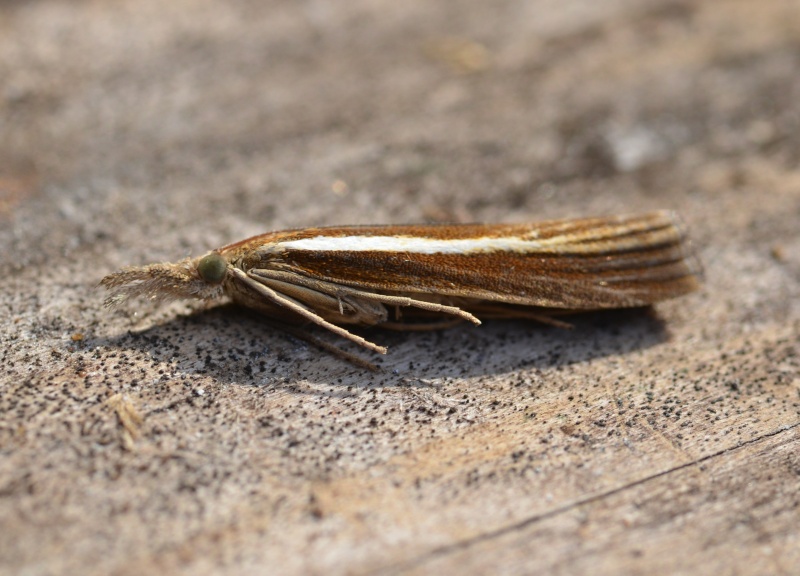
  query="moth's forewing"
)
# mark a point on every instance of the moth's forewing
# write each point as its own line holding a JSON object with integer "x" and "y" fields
{"x": 580, "y": 264}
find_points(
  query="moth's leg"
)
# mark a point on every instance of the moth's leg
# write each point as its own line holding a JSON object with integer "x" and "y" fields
{"x": 330, "y": 348}
{"x": 421, "y": 326}
{"x": 486, "y": 311}
{"x": 341, "y": 291}
{"x": 544, "y": 319}
{"x": 490, "y": 310}
{"x": 421, "y": 304}
{"x": 321, "y": 297}
{"x": 302, "y": 311}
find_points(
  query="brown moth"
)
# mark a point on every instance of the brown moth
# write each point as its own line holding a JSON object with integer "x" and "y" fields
{"x": 435, "y": 274}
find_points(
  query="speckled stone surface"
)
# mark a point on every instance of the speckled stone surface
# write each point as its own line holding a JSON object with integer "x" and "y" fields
{"x": 184, "y": 439}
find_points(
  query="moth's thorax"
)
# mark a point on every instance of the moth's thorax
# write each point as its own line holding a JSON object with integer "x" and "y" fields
{"x": 253, "y": 255}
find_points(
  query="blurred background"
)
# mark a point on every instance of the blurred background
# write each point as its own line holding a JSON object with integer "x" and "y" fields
{"x": 182, "y": 126}
{"x": 151, "y": 439}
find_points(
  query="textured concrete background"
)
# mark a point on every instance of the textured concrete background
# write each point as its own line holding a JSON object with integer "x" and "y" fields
{"x": 171, "y": 438}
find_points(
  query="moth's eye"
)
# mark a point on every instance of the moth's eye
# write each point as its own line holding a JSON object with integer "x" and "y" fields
{"x": 212, "y": 268}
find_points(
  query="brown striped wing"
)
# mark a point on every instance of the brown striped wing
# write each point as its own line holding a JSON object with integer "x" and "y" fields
{"x": 578, "y": 264}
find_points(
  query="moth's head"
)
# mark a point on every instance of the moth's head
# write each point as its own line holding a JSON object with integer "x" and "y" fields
{"x": 201, "y": 278}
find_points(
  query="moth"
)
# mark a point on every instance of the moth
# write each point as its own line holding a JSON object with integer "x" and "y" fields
{"x": 420, "y": 277}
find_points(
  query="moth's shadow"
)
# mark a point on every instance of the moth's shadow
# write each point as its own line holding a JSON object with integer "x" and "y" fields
{"x": 234, "y": 345}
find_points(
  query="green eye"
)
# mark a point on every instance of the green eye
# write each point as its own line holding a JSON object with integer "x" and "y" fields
{"x": 212, "y": 268}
